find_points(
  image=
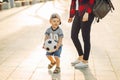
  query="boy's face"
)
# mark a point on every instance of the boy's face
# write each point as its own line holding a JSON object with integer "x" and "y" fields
{"x": 55, "y": 22}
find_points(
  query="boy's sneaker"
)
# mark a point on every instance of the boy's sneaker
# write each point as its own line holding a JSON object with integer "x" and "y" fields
{"x": 81, "y": 65}
{"x": 75, "y": 62}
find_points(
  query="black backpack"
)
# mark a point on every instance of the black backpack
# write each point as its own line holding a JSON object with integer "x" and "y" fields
{"x": 101, "y": 8}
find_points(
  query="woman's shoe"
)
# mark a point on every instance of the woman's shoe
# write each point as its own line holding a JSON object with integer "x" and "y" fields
{"x": 75, "y": 62}
{"x": 81, "y": 65}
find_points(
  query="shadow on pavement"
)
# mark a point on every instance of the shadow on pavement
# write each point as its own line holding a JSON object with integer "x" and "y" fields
{"x": 54, "y": 76}
{"x": 87, "y": 74}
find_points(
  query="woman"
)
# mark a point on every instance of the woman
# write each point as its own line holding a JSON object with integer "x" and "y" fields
{"x": 81, "y": 11}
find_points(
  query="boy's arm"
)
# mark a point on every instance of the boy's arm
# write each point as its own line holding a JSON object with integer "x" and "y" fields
{"x": 46, "y": 37}
{"x": 59, "y": 43}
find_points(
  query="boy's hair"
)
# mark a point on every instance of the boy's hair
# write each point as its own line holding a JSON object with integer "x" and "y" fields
{"x": 55, "y": 15}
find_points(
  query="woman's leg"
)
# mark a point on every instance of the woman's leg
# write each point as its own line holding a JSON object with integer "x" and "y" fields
{"x": 74, "y": 34}
{"x": 86, "y": 28}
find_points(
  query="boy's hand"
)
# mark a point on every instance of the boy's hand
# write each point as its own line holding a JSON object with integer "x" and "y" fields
{"x": 85, "y": 17}
{"x": 43, "y": 46}
{"x": 57, "y": 47}
{"x": 70, "y": 20}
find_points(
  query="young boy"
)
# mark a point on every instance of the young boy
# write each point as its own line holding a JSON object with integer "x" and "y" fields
{"x": 56, "y": 33}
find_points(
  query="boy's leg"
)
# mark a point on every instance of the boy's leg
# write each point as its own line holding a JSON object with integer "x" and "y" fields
{"x": 57, "y": 69}
{"x": 57, "y": 58}
{"x": 52, "y": 62}
{"x": 57, "y": 61}
{"x": 51, "y": 59}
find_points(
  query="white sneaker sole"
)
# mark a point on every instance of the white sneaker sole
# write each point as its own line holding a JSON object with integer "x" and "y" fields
{"x": 73, "y": 64}
{"x": 80, "y": 67}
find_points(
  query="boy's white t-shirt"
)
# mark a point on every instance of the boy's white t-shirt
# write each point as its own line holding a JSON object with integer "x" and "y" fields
{"x": 54, "y": 34}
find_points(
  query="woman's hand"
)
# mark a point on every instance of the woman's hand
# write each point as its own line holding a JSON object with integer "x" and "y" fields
{"x": 70, "y": 20}
{"x": 85, "y": 17}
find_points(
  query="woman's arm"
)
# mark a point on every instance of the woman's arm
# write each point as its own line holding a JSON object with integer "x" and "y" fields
{"x": 72, "y": 8}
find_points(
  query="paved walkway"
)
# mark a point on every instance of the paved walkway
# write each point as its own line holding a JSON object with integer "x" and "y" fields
{"x": 21, "y": 38}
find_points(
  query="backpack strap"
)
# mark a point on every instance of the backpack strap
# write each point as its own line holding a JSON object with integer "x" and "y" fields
{"x": 110, "y": 4}
{"x": 97, "y": 19}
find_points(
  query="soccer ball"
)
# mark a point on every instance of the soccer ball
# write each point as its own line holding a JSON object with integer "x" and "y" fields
{"x": 50, "y": 45}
